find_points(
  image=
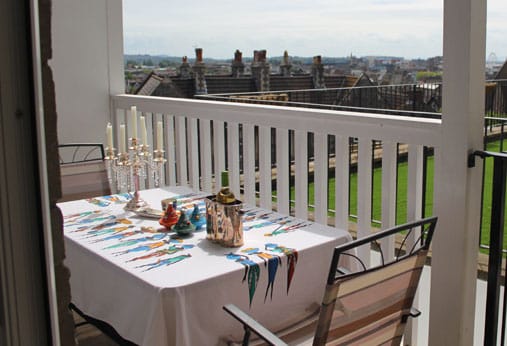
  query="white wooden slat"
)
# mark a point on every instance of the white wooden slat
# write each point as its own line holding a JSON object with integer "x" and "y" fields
{"x": 301, "y": 174}
{"x": 282, "y": 171}
{"x": 320, "y": 173}
{"x": 414, "y": 187}
{"x": 169, "y": 147}
{"x": 233, "y": 156}
{"x": 181, "y": 151}
{"x": 389, "y": 173}
{"x": 265, "y": 190}
{"x": 218, "y": 151}
{"x": 193, "y": 153}
{"x": 249, "y": 164}
{"x": 414, "y": 212}
{"x": 120, "y": 120}
{"x": 116, "y": 122}
{"x": 364, "y": 195}
{"x": 342, "y": 169}
{"x": 151, "y": 121}
{"x": 148, "y": 182}
{"x": 205, "y": 150}
{"x": 130, "y": 125}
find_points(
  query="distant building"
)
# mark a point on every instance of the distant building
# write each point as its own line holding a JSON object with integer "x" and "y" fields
{"x": 255, "y": 77}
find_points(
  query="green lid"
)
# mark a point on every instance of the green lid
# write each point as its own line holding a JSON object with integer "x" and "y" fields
{"x": 225, "y": 178}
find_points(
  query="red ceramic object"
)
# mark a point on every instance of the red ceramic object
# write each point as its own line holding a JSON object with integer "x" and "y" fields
{"x": 170, "y": 217}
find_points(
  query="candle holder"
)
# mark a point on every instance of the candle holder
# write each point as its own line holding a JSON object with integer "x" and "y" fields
{"x": 126, "y": 169}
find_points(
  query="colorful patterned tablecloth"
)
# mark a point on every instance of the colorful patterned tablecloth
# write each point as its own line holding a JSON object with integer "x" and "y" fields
{"x": 157, "y": 288}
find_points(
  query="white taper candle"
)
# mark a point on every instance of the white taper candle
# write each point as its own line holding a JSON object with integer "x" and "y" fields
{"x": 109, "y": 132}
{"x": 143, "y": 130}
{"x": 133, "y": 115}
{"x": 122, "y": 139}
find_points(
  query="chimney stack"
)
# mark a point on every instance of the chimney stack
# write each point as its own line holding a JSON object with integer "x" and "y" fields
{"x": 237, "y": 67}
{"x": 318, "y": 73}
{"x": 185, "y": 69}
{"x": 285, "y": 66}
{"x": 199, "y": 71}
{"x": 261, "y": 70}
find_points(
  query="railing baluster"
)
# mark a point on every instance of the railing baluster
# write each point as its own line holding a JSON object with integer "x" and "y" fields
{"x": 218, "y": 151}
{"x": 414, "y": 187}
{"x": 282, "y": 168}
{"x": 233, "y": 156}
{"x": 301, "y": 174}
{"x": 389, "y": 178}
{"x": 414, "y": 212}
{"x": 320, "y": 174}
{"x": 193, "y": 153}
{"x": 342, "y": 172}
{"x": 205, "y": 150}
{"x": 148, "y": 117}
{"x": 117, "y": 121}
{"x": 265, "y": 177}
{"x": 364, "y": 194}
{"x": 170, "y": 148}
{"x": 249, "y": 163}
{"x": 181, "y": 151}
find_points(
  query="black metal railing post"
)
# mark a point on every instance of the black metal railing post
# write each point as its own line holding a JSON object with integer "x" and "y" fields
{"x": 495, "y": 246}
{"x": 495, "y": 251}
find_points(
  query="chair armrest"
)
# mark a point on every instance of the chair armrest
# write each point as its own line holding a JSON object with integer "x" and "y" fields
{"x": 249, "y": 324}
{"x": 412, "y": 313}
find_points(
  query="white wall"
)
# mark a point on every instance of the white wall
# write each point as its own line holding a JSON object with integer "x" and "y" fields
{"x": 87, "y": 66}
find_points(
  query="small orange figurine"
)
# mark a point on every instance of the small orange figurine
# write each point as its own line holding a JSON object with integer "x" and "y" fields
{"x": 170, "y": 217}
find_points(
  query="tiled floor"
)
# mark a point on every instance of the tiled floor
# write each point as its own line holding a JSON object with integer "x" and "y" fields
{"x": 480, "y": 309}
{"x": 88, "y": 335}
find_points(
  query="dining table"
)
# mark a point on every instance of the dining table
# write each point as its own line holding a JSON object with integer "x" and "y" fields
{"x": 156, "y": 287}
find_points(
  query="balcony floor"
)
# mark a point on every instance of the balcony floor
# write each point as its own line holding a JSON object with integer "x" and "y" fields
{"x": 480, "y": 309}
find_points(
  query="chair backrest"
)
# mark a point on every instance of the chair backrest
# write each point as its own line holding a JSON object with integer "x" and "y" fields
{"x": 82, "y": 171}
{"x": 371, "y": 306}
{"x": 80, "y": 152}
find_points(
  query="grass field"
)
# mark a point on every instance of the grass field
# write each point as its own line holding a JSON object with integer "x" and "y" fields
{"x": 401, "y": 212}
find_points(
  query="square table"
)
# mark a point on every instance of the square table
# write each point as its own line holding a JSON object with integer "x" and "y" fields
{"x": 156, "y": 288}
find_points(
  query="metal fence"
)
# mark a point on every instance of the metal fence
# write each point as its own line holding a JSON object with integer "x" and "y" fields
{"x": 420, "y": 100}
{"x": 495, "y": 312}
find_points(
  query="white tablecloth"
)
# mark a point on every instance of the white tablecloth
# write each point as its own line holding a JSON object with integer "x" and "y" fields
{"x": 175, "y": 297}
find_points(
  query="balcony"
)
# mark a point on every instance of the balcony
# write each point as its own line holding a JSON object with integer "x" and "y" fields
{"x": 203, "y": 137}
{"x": 274, "y": 154}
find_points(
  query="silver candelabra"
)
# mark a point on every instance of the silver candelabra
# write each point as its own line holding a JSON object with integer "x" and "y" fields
{"x": 127, "y": 168}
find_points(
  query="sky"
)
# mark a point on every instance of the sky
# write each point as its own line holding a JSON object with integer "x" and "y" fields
{"x": 331, "y": 28}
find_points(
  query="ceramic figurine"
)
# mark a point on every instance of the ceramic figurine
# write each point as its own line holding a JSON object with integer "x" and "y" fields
{"x": 170, "y": 217}
{"x": 183, "y": 226}
{"x": 196, "y": 218}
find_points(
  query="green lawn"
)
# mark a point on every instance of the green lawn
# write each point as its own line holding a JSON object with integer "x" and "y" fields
{"x": 401, "y": 209}
{"x": 401, "y": 212}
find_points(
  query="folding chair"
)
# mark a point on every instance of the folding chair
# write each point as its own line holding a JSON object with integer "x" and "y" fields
{"x": 369, "y": 306}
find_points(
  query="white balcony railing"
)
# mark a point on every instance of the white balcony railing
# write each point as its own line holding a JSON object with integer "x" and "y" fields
{"x": 201, "y": 135}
